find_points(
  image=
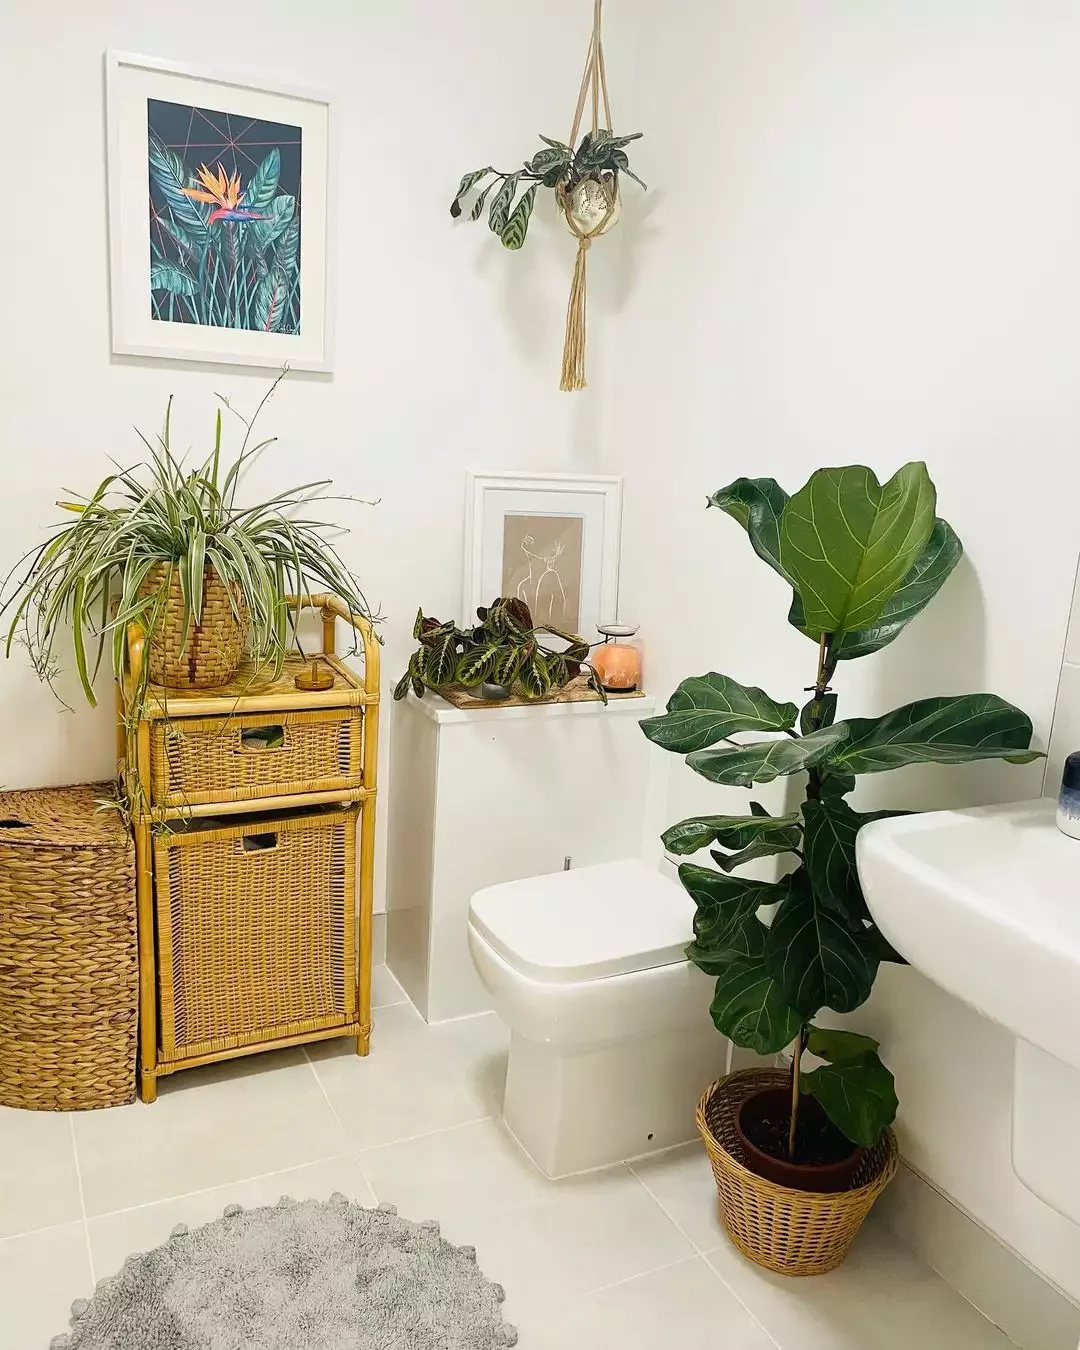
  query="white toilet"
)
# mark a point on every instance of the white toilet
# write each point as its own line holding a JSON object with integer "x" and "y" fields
{"x": 612, "y": 1043}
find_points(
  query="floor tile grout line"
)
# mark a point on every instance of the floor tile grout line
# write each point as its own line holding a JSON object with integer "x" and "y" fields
{"x": 701, "y": 1256}
{"x": 82, "y": 1199}
{"x": 217, "y": 1186}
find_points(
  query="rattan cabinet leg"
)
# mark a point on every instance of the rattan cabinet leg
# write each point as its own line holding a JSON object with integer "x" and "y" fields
{"x": 147, "y": 1086}
{"x": 363, "y": 1041}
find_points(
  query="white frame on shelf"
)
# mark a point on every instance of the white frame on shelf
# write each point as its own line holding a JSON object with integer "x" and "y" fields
{"x": 134, "y": 334}
{"x": 598, "y": 499}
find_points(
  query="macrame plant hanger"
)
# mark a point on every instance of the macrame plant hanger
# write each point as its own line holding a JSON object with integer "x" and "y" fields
{"x": 581, "y": 222}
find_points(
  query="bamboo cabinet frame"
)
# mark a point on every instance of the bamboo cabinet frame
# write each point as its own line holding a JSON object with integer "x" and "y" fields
{"x": 135, "y": 762}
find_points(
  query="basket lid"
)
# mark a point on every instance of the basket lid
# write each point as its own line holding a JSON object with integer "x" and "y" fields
{"x": 63, "y": 817}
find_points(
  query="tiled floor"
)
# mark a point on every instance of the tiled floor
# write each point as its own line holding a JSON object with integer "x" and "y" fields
{"x": 633, "y": 1256}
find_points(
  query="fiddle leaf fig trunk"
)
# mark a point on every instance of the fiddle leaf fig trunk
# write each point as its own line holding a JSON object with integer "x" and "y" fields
{"x": 863, "y": 560}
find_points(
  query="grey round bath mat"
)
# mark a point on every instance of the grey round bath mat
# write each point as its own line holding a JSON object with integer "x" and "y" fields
{"x": 315, "y": 1275}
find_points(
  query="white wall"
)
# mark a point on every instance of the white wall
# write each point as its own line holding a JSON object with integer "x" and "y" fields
{"x": 861, "y": 246}
{"x": 448, "y": 346}
{"x": 1065, "y": 737}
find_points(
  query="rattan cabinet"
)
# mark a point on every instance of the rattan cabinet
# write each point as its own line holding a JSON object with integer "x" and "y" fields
{"x": 254, "y": 817}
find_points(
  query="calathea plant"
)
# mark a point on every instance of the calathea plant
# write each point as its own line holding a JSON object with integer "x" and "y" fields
{"x": 504, "y": 648}
{"x": 601, "y": 158}
{"x": 862, "y": 559}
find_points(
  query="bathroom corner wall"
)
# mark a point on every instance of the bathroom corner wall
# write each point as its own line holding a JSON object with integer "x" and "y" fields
{"x": 1065, "y": 734}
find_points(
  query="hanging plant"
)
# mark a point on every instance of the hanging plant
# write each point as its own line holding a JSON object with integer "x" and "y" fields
{"x": 587, "y": 177}
{"x": 585, "y": 182}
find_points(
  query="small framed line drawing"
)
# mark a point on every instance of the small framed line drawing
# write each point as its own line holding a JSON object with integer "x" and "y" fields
{"x": 220, "y": 216}
{"x": 550, "y": 539}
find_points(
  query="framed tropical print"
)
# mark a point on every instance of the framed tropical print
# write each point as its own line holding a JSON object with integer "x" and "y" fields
{"x": 220, "y": 199}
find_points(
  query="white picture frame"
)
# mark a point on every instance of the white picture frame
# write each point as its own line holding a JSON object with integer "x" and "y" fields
{"x": 493, "y": 496}
{"x": 275, "y": 308}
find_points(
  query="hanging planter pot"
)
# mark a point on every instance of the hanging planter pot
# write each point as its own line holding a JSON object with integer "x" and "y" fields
{"x": 586, "y": 184}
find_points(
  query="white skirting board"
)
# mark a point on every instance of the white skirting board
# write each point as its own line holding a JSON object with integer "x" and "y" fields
{"x": 1032, "y": 1312}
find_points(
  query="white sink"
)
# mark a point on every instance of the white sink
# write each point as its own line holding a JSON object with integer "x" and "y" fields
{"x": 986, "y": 903}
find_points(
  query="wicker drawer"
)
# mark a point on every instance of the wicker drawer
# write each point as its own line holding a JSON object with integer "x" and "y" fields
{"x": 256, "y": 927}
{"x": 252, "y": 755}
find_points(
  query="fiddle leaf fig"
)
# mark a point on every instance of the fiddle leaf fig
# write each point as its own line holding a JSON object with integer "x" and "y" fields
{"x": 951, "y": 730}
{"x": 762, "y": 761}
{"x": 708, "y": 708}
{"x": 757, "y": 504}
{"x": 814, "y": 956}
{"x": 847, "y": 542}
{"x": 858, "y": 1095}
{"x": 863, "y": 559}
{"x": 737, "y": 832}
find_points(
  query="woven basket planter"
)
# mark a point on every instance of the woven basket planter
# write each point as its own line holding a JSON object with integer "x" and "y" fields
{"x": 790, "y": 1232}
{"x": 69, "y": 976}
{"x": 215, "y": 646}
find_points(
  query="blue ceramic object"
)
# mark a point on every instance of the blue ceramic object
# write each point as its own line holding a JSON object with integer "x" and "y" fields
{"x": 1068, "y": 812}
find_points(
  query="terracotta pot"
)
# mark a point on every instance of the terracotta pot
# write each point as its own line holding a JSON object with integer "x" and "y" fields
{"x": 818, "y": 1177}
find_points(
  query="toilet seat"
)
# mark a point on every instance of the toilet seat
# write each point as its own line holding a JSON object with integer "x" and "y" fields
{"x": 589, "y": 923}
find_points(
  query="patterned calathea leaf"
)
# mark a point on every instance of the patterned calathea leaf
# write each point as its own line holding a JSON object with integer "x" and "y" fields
{"x": 762, "y": 761}
{"x": 507, "y": 664}
{"x": 468, "y": 181}
{"x": 734, "y": 832}
{"x": 517, "y": 225}
{"x": 534, "y": 675}
{"x": 416, "y": 672}
{"x": 950, "y": 730}
{"x": 708, "y": 708}
{"x": 475, "y": 665}
{"x": 757, "y": 504}
{"x": 853, "y": 1087}
{"x": 500, "y": 204}
{"x": 847, "y": 542}
{"x": 442, "y": 661}
{"x": 813, "y": 954}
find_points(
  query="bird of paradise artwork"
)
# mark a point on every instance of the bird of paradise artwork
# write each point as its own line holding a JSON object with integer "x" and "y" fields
{"x": 224, "y": 219}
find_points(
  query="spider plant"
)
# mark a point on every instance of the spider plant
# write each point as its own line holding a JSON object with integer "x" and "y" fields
{"x": 96, "y": 574}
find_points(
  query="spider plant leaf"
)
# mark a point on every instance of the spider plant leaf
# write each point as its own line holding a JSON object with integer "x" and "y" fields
{"x": 78, "y": 612}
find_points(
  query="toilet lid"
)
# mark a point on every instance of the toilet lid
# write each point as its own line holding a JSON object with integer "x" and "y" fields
{"x": 587, "y": 923}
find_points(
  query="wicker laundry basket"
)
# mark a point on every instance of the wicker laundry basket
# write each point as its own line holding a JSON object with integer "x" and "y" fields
{"x": 790, "y": 1232}
{"x": 69, "y": 977}
{"x": 215, "y": 645}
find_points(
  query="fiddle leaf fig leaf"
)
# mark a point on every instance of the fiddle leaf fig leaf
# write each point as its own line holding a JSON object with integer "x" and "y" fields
{"x": 847, "y": 542}
{"x": 707, "y": 708}
{"x": 858, "y": 1096}
{"x": 831, "y": 828}
{"x": 749, "y": 1007}
{"x": 757, "y": 504}
{"x": 949, "y": 730}
{"x": 836, "y": 1046}
{"x": 698, "y": 832}
{"x": 822, "y": 711}
{"x": 814, "y": 956}
{"x": 724, "y": 904}
{"x": 762, "y": 761}
{"x": 765, "y": 846}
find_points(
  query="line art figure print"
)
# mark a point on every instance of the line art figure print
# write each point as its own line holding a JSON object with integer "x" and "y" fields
{"x": 542, "y": 566}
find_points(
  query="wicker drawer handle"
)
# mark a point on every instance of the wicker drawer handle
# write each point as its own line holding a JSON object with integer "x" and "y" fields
{"x": 259, "y": 843}
{"x": 260, "y": 740}
{"x": 13, "y": 823}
